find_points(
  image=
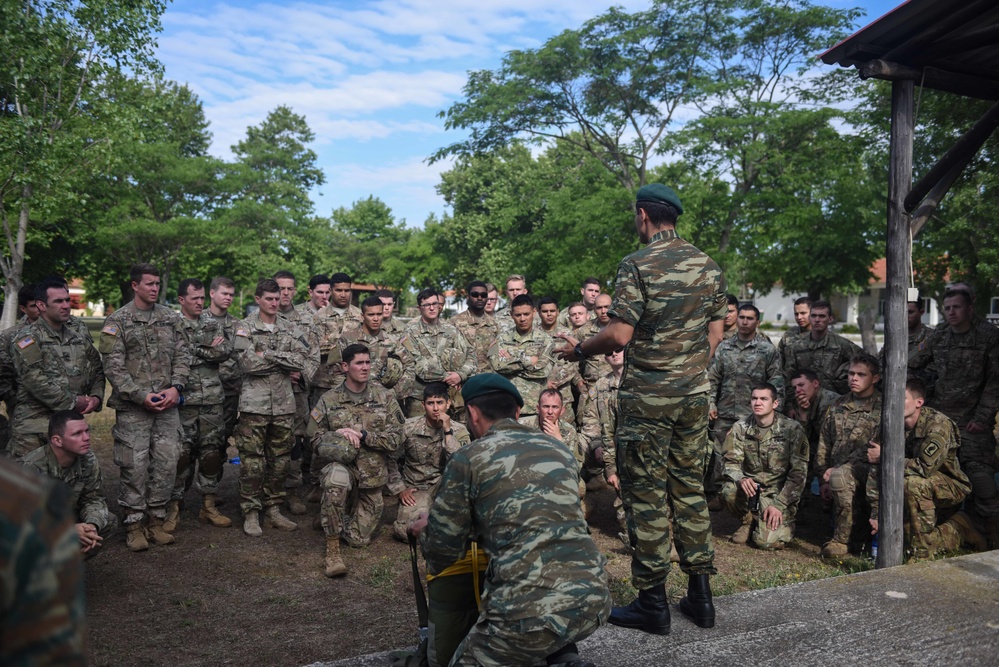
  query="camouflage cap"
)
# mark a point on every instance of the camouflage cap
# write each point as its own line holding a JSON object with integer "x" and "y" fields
{"x": 660, "y": 194}
{"x": 488, "y": 383}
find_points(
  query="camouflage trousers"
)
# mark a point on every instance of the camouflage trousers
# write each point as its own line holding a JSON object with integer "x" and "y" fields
{"x": 264, "y": 443}
{"x": 847, "y": 483}
{"x": 716, "y": 467}
{"x": 338, "y": 488}
{"x": 27, "y": 437}
{"x": 408, "y": 513}
{"x": 146, "y": 449}
{"x": 737, "y": 503}
{"x": 662, "y": 452}
{"x": 977, "y": 455}
{"x": 201, "y": 448}
{"x": 497, "y": 641}
{"x": 923, "y": 496}
{"x": 230, "y": 411}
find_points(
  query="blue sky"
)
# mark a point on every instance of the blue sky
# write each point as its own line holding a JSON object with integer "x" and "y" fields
{"x": 369, "y": 76}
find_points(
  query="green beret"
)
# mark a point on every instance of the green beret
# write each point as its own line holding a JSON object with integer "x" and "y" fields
{"x": 488, "y": 383}
{"x": 660, "y": 194}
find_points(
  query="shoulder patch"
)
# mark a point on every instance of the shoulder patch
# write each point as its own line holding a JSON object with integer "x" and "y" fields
{"x": 242, "y": 332}
{"x": 27, "y": 341}
{"x": 316, "y": 416}
{"x": 110, "y": 329}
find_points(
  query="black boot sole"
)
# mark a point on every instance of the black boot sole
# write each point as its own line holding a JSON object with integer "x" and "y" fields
{"x": 656, "y": 630}
{"x": 699, "y": 621}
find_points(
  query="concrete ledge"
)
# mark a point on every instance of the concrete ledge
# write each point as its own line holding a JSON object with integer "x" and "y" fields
{"x": 942, "y": 612}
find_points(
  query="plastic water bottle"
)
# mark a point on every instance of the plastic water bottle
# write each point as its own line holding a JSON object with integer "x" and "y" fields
{"x": 874, "y": 547}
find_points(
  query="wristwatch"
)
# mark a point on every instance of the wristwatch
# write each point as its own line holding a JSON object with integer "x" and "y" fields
{"x": 579, "y": 351}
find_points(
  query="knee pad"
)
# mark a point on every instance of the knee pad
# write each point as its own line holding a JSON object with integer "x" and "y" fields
{"x": 838, "y": 480}
{"x": 183, "y": 462}
{"x": 211, "y": 463}
{"x": 337, "y": 483}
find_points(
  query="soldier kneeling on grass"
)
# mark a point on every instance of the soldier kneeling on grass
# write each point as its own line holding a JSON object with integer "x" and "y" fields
{"x": 766, "y": 460}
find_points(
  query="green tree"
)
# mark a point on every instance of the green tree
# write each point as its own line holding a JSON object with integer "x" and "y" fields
{"x": 367, "y": 236}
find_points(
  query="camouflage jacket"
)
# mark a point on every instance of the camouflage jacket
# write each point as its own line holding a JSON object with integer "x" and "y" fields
{"x": 563, "y": 318}
{"x": 330, "y": 326}
{"x": 967, "y": 368}
{"x": 510, "y": 356}
{"x": 204, "y": 384}
{"x": 304, "y": 320}
{"x": 595, "y": 367}
{"x": 516, "y": 492}
{"x": 41, "y": 575}
{"x": 567, "y": 435}
{"x": 8, "y": 374}
{"x": 425, "y": 452}
{"x": 53, "y": 368}
{"x": 735, "y": 368}
{"x": 849, "y": 425}
{"x": 829, "y": 358}
{"x": 83, "y": 479}
{"x": 481, "y": 333}
{"x": 267, "y": 386}
{"x": 599, "y": 420}
{"x": 393, "y": 327}
{"x": 145, "y": 351}
{"x": 776, "y": 458}
{"x": 437, "y": 350}
{"x": 374, "y": 411}
{"x": 391, "y": 363}
{"x": 930, "y": 448}
{"x": 238, "y": 337}
{"x": 811, "y": 419}
{"x": 669, "y": 291}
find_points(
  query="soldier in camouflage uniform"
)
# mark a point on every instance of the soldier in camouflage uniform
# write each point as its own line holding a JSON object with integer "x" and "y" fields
{"x": 593, "y": 368}
{"x": 802, "y": 308}
{"x": 28, "y": 307}
{"x": 731, "y": 316}
{"x": 741, "y": 361}
{"x": 841, "y": 460}
{"x": 668, "y": 307}
{"x": 524, "y": 355}
{"x": 589, "y": 291}
{"x": 440, "y": 354}
{"x": 479, "y": 328}
{"x": 354, "y": 427}
{"x": 549, "y": 420}
{"x": 825, "y": 352}
{"x": 429, "y": 442}
{"x": 320, "y": 288}
{"x": 147, "y": 361}
{"x": 514, "y": 491}
{"x": 201, "y": 416}
{"x": 390, "y": 324}
{"x": 765, "y": 454}
{"x": 516, "y": 285}
{"x": 42, "y": 620}
{"x": 565, "y": 376}
{"x": 279, "y": 351}
{"x": 808, "y": 407}
{"x": 339, "y": 316}
{"x": 67, "y": 458}
{"x": 965, "y": 356}
{"x": 932, "y": 480}
{"x": 57, "y": 368}
{"x": 391, "y": 364}
{"x": 221, "y": 292}
{"x": 600, "y": 424}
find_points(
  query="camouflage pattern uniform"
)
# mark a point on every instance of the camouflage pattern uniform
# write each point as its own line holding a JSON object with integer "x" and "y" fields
{"x": 509, "y": 356}
{"x": 230, "y": 372}
{"x": 425, "y": 452}
{"x": 776, "y": 458}
{"x": 376, "y": 412}
{"x": 8, "y": 378}
{"x": 668, "y": 291}
{"x": 303, "y": 317}
{"x": 829, "y": 358}
{"x": 85, "y": 483}
{"x": 481, "y": 333}
{"x": 599, "y": 425}
{"x": 42, "y": 620}
{"x": 330, "y": 325}
{"x": 144, "y": 352}
{"x": 391, "y": 364}
{"x": 568, "y": 436}
{"x": 791, "y": 332}
{"x": 967, "y": 391}
{"x": 514, "y": 491}
{"x": 811, "y": 421}
{"x": 565, "y": 375}
{"x": 53, "y": 368}
{"x": 201, "y": 416}
{"x": 849, "y": 425}
{"x": 436, "y": 350}
{"x": 932, "y": 479}
{"x": 265, "y": 431}
{"x": 393, "y": 327}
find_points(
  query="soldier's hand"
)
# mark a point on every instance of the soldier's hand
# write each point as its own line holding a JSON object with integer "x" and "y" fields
{"x": 974, "y": 427}
{"x": 803, "y": 401}
{"x": 95, "y": 402}
{"x": 407, "y": 497}
{"x": 353, "y": 437}
{"x": 873, "y": 452}
{"x": 552, "y": 429}
{"x": 748, "y": 486}
{"x": 218, "y": 340}
{"x": 82, "y": 404}
{"x": 170, "y": 398}
{"x": 712, "y": 415}
{"x": 446, "y": 422}
{"x": 533, "y": 361}
{"x": 152, "y": 402}
{"x": 552, "y": 385}
{"x": 566, "y": 352}
{"x": 452, "y": 379}
{"x": 296, "y": 377}
{"x": 874, "y": 526}
{"x": 417, "y": 526}
{"x": 614, "y": 481}
{"x": 772, "y": 517}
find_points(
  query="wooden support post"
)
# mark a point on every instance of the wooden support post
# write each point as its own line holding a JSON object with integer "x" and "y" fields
{"x": 898, "y": 271}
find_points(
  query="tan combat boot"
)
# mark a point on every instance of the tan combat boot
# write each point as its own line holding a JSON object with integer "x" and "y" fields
{"x": 172, "y": 516}
{"x": 295, "y": 504}
{"x": 335, "y": 566}
{"x": 209, "y": 514}
{"x": 274, "y": 519}
{"x": 251, "y": 524}
{"x": 156, "y": 533}
{"x": 832, "y": 549}
{"x": 969, "y": 535}
{"x": 136, "y": 537}
{"x": 741, "y": 535}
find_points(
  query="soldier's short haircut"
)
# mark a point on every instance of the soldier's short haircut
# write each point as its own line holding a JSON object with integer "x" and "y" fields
{"x": 821, "y": 304}
{"x": 476, "y": 283}
{"x": 959, "y": 292}
{"x": 749, "y": 306}
{"x": 548, "y": 391}
{"x": 25, "y": 295}
{"x": 916, "y": 387}
{"x": 732, "y": 299}
{"x": 545, "y": 300}
{"x": 659, "y": 214}
{"x": 491, "y": 288}
{"x": 187, "y": 284}
{"x": 425, "y": 294}
{"x": 352, "y": 351}
{"x": 385, "y": 294}
{"x": 760, "y": 386}
{"x": 516, "y": 277}
{"x": 372, "y": 302}
{"x": 339, "y": 278}
{"x": 435, "y": 390}
{"x": 806, "y": 373}
{"x": 868, "y": 360}
{"x": 319, "y": 279}
{"x": 284, "y": 274}
{"x": 58, "y": 421}
{"x": 495, "y": 405}
{"x": 803, "y": 300}
{"x": 590, "y": 280}
{"x": 40, "y": 292}
{"x": 576, "y": 304}
{"x": 142, "y": 269}
{"x": 221, "y": 281}
{"x": 267, "y": 286}
{"x": 521, "y": 300}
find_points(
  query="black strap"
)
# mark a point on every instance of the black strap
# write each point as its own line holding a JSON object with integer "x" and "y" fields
{"x": 422, "y": 611}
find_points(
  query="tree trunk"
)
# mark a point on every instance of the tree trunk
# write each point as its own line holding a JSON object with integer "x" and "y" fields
{"x": 13, "y": 268}
{"x": 865, "y": 320}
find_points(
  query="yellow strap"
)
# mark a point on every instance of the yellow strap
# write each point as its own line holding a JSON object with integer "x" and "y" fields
{"x": 475, "y": 578}
{"x": 466, "y": 565}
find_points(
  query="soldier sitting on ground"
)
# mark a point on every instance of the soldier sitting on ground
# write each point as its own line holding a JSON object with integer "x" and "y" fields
{"x": 807, "y": 407}
{"x": 549, "y": 421}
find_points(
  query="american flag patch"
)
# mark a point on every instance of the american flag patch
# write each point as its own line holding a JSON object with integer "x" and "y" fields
{"x": 110, "y": 329}
{"x": 25, "y": 342}
{"x": 243, "y": 332}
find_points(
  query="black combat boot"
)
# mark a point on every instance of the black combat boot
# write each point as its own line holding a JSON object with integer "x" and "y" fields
{"x": 650, "y": 612}
{"x": 698, "y": 605}
{"x": 567, "y": 656}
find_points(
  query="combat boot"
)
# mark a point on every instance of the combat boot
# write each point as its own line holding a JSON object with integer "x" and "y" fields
{"x": 335, "y": 566}
{"x": 251, "y": 524}
{"x": 649, "y": 612}
{"x": 136, "y": 537}
{"x": 969, "y": 535}
{"x": 274, "y": 519}
{"x": 741, "y": 536}
{"x": 210, "y": 515}
{"x": 172, "y": 516}
{"x": 833, "y": 549}
{"x": 295, "y": 504}
{"x": 698, "y": 605}
{"x": 156, "y": 533}
{"x": 567, "y": 656}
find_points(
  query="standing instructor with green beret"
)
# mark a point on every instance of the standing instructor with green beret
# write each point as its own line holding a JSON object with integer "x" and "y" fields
{"x": 668, "y": 309}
